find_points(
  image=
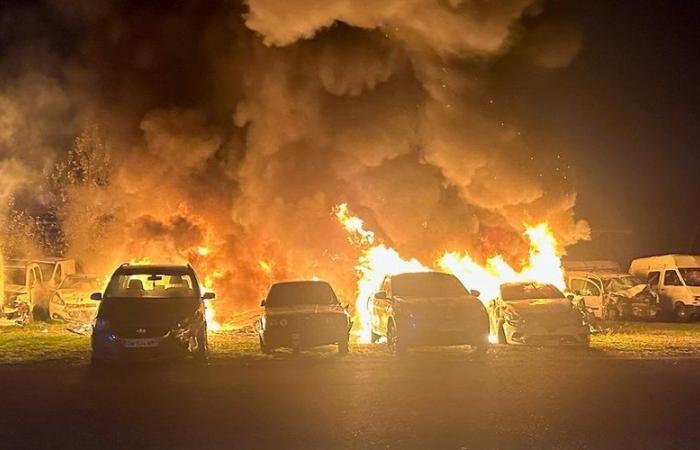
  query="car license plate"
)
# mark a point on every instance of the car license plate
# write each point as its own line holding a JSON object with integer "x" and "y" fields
{"x": 140, "y": 343}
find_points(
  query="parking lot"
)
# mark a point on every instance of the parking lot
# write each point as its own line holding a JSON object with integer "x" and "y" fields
{"x": 637, "y": 386}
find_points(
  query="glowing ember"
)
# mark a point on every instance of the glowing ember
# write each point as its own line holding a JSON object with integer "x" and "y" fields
{"x": 378, "y": 261}
{"x": 265, "y": 266}
{"x": 202, "y": 251}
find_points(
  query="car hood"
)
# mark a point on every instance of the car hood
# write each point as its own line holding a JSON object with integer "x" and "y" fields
{"x": 463, "y": 303}
{"x": 542, "y": 307}
{"x": 147, "y": 311}
{"x": 74, "y": 293}
{"x": 303, "y": 309}
{"x": 640, "y": 291}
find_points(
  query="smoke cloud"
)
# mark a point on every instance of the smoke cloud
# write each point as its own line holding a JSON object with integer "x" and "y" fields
{"x": 239, "y": 126}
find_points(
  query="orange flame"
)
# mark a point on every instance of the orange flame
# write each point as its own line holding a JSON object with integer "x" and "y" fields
{"x": 379, "y": 261}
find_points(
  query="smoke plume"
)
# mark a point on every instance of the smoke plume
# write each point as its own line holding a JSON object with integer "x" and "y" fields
{"x": 158, "y": 129}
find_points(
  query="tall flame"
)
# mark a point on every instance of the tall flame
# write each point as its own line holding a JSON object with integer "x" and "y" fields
{"x": 378, "y": 261}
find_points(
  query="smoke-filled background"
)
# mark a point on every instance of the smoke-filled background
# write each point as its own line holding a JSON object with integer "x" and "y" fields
{"x": 151, "y": 129}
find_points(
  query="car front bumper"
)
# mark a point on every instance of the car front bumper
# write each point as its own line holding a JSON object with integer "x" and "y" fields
{"x": 416, "y": 334}
{"x": 109, "y": 347}
{"x": 303, "y": 338}
{"x": 533, "y": 334}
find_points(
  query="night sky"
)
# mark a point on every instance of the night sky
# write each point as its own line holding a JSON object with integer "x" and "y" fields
{"x": 625, "y": 113}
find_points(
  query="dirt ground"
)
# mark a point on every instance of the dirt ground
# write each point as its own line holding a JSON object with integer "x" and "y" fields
{"x": 637, "y": 387}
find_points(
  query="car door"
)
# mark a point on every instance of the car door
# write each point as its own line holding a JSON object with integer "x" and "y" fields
{"x": 588, "y": 290}
{"x": 671, "y": 288}
{"x": 381, "y": 307}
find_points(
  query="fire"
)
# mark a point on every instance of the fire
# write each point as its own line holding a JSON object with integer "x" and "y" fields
{"x": 265, "y": 266}
{"x": 203, "y": 251}
{"x": 543, "y": 266}
{"x": 378, "y": 261}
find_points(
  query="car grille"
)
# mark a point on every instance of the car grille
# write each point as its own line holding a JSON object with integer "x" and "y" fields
{"x": 140, "y": 331}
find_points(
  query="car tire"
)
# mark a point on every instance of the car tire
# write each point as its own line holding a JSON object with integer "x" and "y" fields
{"x": 200, "y": 355}
{"x": 681, "y": 313}
{"x": 501, "y": 335}
{"x": 396, "y": 346}
{"x": 97, "y": 363}
{"x": 343, "y": 346}
{"x": 374, "y": 338}
{"x": 263, "y": 347}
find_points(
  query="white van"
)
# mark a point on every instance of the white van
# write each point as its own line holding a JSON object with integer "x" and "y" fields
{"x": 677, "y": 280}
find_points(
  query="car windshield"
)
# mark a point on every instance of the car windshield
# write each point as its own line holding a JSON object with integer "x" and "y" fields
{"x": 151, "y": 285}
{"x": 691, "y": 275}
{"x": 82, "y": 283}
{"x": 301, "y": 293}
{"x": 530, "y": 291}
{"x": 15, "y": 275}
{"x": 621, "y": 283}
{"x": 427, "y": 284}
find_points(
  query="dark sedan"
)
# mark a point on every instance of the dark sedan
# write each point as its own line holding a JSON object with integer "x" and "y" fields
{"x": 428, "y": 308}
{"x": 150, "y": 312}
{"x": 302, "y": 314}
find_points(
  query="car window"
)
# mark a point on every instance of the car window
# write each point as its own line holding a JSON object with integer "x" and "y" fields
{"x": 671, "y": 278}
{"x": 653, "y": 278}
{"x": 427, "y": 284}
{"x": 300, "y": 293}
{"x": 151, "y": 285}
{"x": 582, "y": 286}
{"x": 529, "y": 291}
{"x": 691, "y": 275}
{"x": 576, "y": 284}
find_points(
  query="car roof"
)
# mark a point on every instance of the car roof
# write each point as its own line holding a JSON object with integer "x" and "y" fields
{"x": 154, "y": 268}
{"x": 523, "y": 283}
{"x": 431, "y": 272}
{"x": 288, "y": 282}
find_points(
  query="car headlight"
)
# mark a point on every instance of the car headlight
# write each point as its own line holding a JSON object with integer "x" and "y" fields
{"x": 101, "y": 324}
{"x": 58, "y": 301}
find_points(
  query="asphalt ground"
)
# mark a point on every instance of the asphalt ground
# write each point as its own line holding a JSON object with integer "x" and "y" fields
{"x": 515, "y": 397}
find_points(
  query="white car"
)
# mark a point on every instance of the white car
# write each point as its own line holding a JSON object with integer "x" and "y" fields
{"x": 536, "y": 314}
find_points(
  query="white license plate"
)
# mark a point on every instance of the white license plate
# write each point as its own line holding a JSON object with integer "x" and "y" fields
{"x": 140, "y": 343}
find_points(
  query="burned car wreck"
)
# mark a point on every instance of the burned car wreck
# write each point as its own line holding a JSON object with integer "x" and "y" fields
{"x": 71, "y": 301}
{"x": 150, "y": 312}
{"x": 615, "y": 296}
{"x": 537, "y": 314}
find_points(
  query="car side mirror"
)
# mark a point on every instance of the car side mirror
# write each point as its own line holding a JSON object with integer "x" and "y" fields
{"x": 381, "y": 295}
{"x": 208, "y": 296}
{"x": 475, "y": 293}
{"x": 97, "y": 296}
{"x": 262, "y": 303}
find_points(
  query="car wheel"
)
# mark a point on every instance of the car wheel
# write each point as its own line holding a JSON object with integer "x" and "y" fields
{"x": 396, "y": 346}
{"x": 681, "y": 313}
{"x": 96, "y": 363}
{"x": 374, "y": 338}
{"x": 200, "y": 354}
{"x": 263, "y": 346}
{"x": 501, "y": 335}
{"x": 343, "y": 346}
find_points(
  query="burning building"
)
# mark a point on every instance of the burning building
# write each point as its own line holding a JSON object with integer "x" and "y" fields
{"x": 225, "y": 134}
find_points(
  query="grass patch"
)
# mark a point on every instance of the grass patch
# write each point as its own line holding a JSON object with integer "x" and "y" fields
{"x": 47, "y": 342}
{"x": 648, "y": 339}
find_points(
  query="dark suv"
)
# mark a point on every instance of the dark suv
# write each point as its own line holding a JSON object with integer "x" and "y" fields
{"x": 303, "y": 314}
{"x": 150, "y": 311}
{"x": 428, "y": 308}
